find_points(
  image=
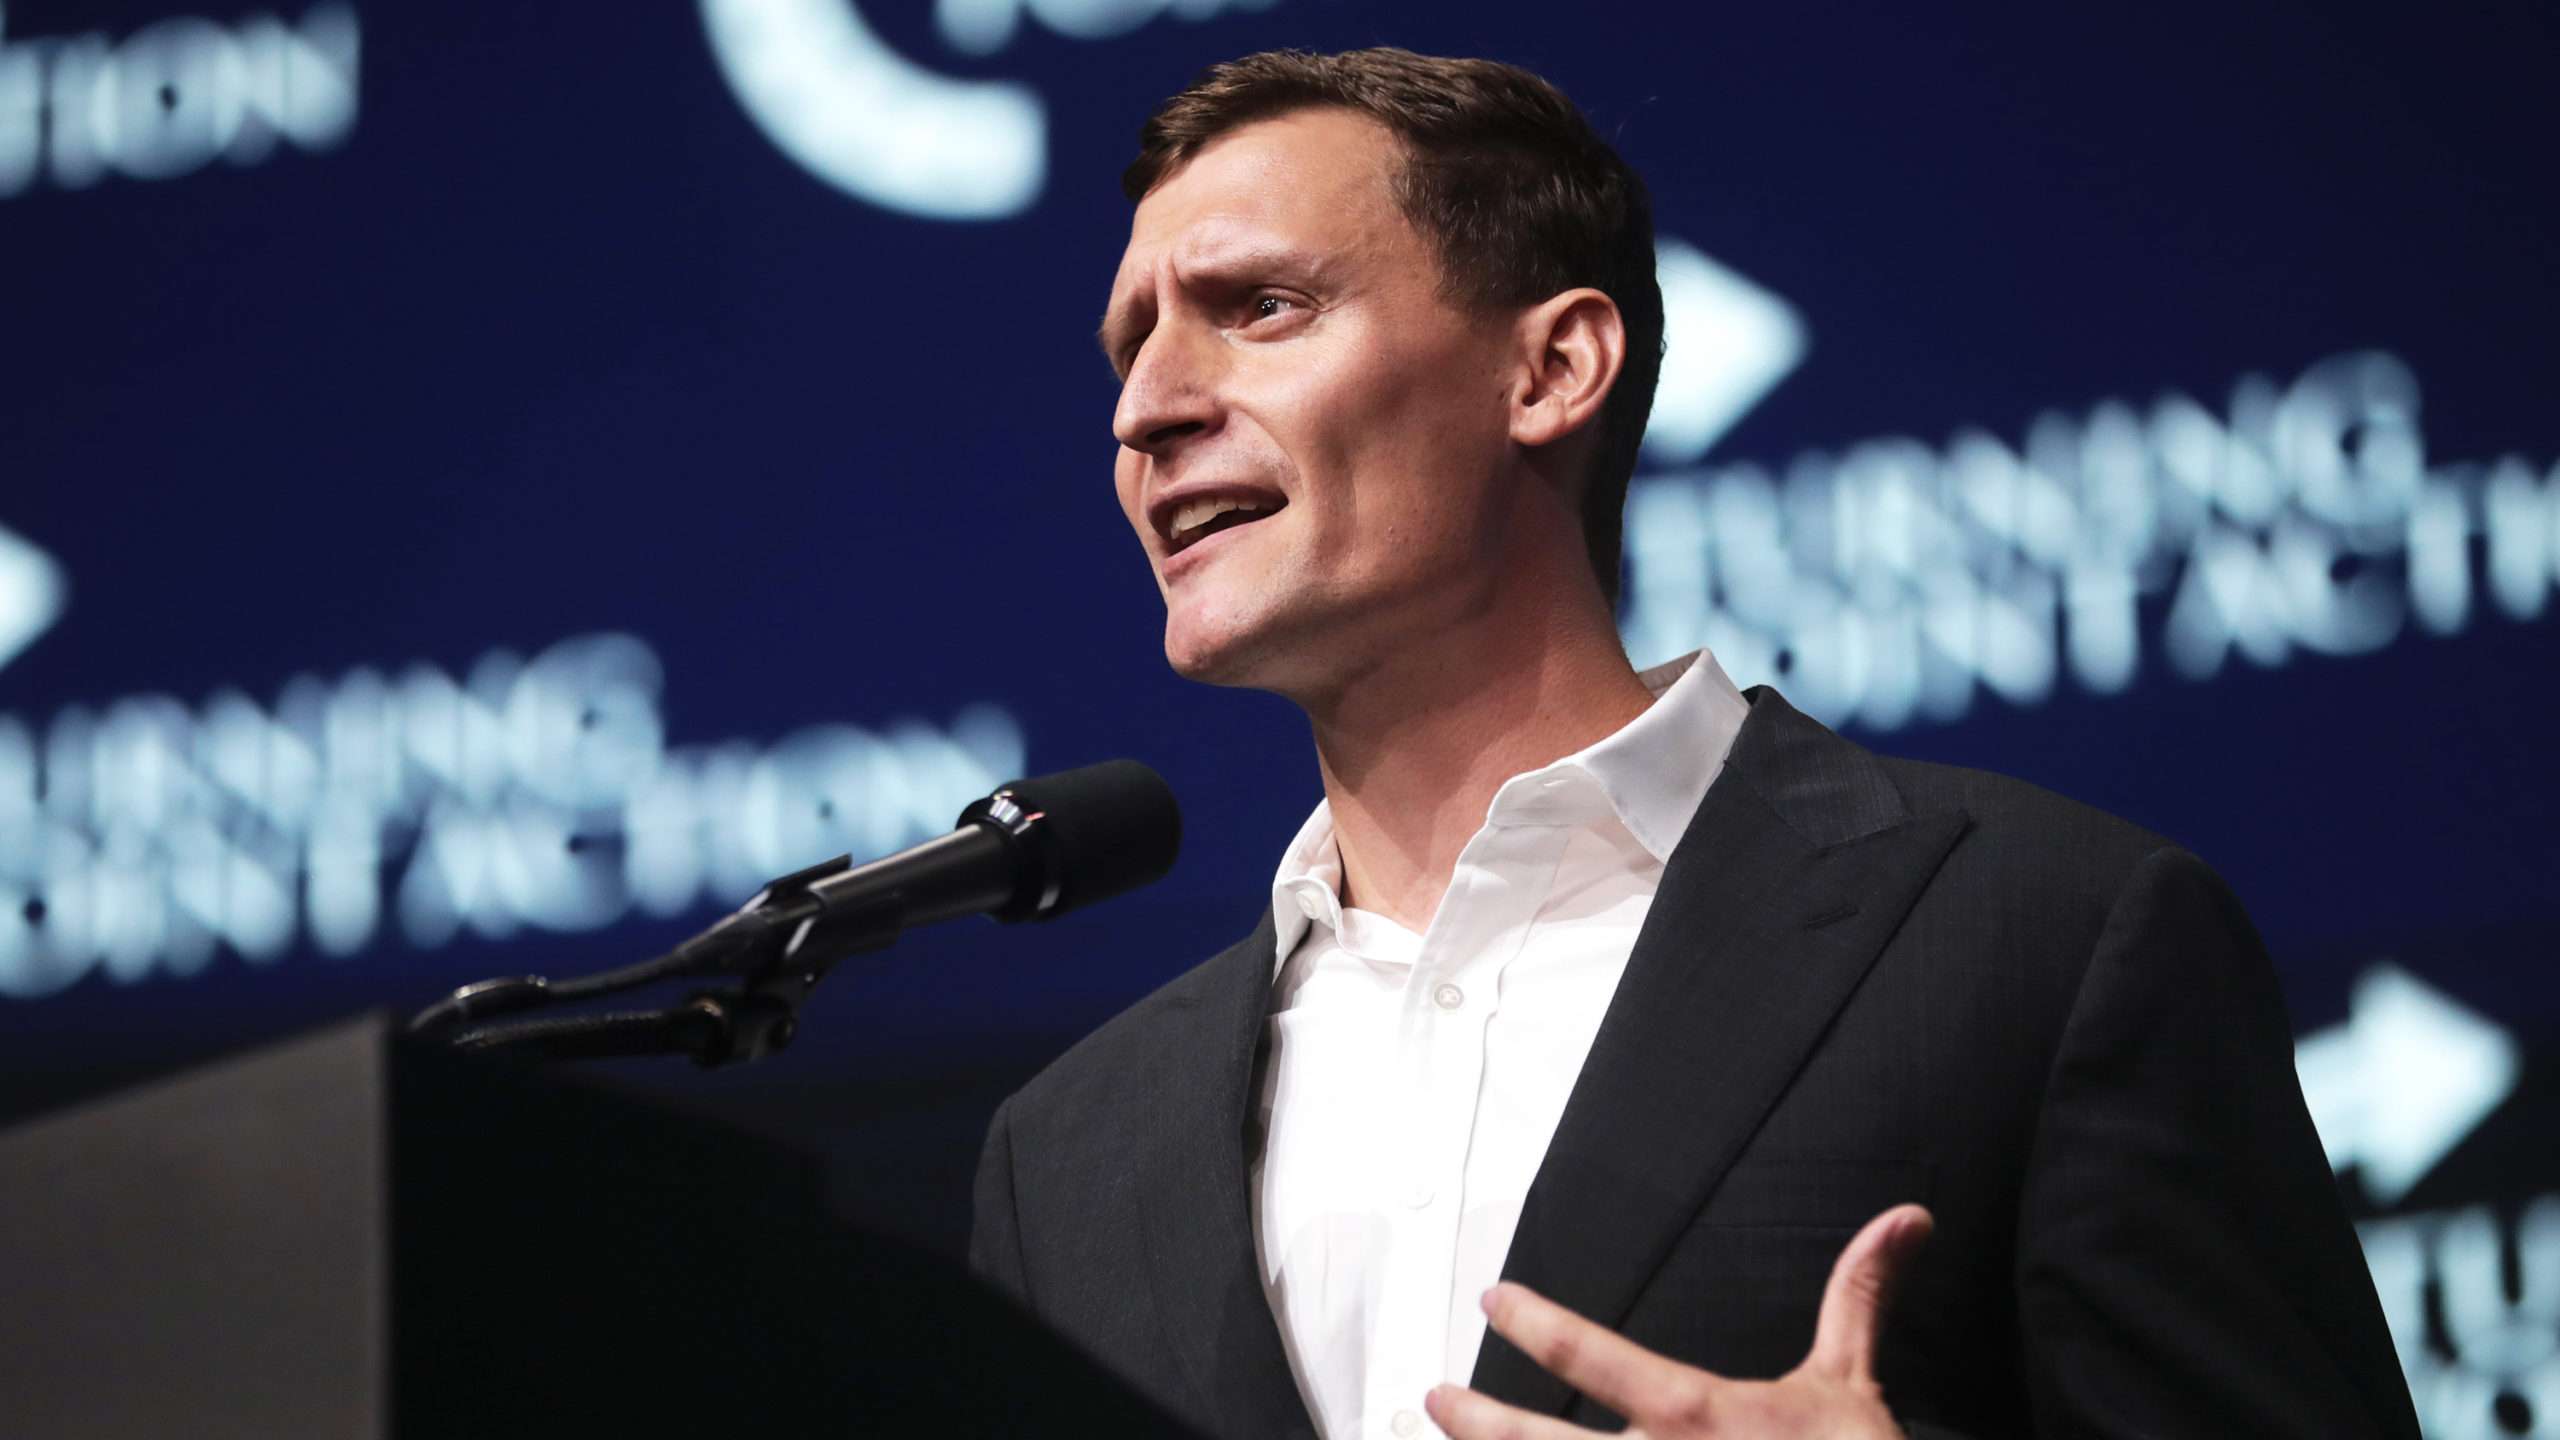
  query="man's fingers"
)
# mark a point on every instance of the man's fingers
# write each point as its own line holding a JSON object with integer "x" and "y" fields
{"x": 1861, "y": 1291}
{"x": 1467, "y": 1415}
{"x": 1606, "y": 1366}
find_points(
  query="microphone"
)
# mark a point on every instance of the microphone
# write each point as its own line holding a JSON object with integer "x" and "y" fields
{"x": 1032, "y": 850}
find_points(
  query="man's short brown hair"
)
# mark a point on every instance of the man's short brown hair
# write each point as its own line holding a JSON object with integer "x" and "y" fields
{"x": 1521, "y": 198}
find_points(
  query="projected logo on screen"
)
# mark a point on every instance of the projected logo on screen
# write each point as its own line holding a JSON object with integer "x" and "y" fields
{"x": 541, "y": 793}
{"x": 31, "y": 593}
{"x": 2479, "y": 1348}
{"x": 172, "y": 97}
{"x": 2395, "y": 1090}
{"x": 1896, "y": 580}
{"x": 825, "y": 87}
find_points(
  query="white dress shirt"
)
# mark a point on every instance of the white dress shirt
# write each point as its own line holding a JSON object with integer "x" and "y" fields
{"x": 1415, "y": 1080}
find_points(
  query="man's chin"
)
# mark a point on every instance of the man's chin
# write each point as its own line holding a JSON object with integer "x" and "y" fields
{"x": 1245, "y": 655}
{"x": 1291, "y": 640}
{"x": 1223, "y": 661}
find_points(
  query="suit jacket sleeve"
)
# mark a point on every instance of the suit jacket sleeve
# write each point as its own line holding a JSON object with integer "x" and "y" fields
{"x": 2184, "y": 1266}
{"x": 995, "y": 1237}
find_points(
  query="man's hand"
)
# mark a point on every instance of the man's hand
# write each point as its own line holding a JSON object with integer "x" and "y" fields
{"x": 1833, "y": 1395}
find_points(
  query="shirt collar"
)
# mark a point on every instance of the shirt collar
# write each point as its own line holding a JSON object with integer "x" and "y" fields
{"x": 1651, "y": 774}
{"x": 1309, "y": 885}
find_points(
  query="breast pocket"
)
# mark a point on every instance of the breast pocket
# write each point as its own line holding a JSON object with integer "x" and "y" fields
{"x": 1741, "y": 1289}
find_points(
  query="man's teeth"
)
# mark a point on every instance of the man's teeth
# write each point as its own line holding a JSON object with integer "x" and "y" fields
{"x": 1200, "y": 512}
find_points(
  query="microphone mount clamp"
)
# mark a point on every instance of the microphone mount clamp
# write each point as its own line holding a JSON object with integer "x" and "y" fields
{"x": 780, "y": 945}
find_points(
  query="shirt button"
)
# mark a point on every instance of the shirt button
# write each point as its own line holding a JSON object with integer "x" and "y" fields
{"x": 1415, "y": 1194}
{"x": 1448, "y": 997}
{"x": 1309, "y": 905}
{"x": 1406, "y": 1423}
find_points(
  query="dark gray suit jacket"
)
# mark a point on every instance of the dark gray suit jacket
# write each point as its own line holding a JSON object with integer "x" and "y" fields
{"x": 1863, "y": 981}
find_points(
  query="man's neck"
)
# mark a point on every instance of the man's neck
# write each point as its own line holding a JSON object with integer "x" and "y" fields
{"x": 1412, "y": 756}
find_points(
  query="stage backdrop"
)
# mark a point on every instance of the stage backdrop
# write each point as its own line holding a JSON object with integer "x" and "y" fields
{"x": 482, "y": 486}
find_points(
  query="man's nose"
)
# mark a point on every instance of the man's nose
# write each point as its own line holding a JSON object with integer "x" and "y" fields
{"x": 1170, "y": 394}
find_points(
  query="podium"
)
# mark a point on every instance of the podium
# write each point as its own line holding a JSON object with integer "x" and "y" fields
{"x": 352, "y": 1235}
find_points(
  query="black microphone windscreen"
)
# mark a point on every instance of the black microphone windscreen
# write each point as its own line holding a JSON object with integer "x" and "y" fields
{"x": 1113, "y": 827}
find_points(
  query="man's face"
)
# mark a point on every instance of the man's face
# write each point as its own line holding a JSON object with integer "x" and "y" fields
{"x": 1312, "y": 438}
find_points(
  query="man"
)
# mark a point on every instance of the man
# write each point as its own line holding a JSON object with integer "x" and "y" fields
{"x": 1658, "y": 1002}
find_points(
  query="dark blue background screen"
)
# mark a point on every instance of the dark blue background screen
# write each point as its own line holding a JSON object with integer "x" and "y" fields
{"x": 524, "y": 326}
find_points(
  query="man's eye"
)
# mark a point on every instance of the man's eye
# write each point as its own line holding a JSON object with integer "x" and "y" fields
{"x": 1270, "y": 305}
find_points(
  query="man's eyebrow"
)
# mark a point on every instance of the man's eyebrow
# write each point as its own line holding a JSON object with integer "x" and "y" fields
{"x": 1224, "y": 261}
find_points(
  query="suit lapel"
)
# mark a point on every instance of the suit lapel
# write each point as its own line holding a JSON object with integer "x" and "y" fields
{"x": 1796, "y": 870}
{"x": 1198, "y": 1217}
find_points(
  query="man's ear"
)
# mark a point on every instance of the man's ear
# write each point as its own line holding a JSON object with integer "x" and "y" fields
{"x": 1571, "y": 349}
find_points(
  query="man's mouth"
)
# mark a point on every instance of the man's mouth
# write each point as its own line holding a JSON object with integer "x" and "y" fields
{"x": 1199, "y": 519}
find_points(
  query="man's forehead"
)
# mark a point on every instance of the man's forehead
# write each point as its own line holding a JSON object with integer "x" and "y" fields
{"x": 1290, "y": 188}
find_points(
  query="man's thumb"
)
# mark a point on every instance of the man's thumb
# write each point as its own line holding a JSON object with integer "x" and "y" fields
{"x": 1863, "y": 1281}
